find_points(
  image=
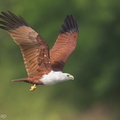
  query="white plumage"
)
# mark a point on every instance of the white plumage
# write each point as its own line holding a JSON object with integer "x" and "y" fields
{"x": 54, "y": 77}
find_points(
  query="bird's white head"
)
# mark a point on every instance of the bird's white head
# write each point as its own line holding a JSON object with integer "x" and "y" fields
{"x": 54, "y": 77}
{"x": 66, "y": 76}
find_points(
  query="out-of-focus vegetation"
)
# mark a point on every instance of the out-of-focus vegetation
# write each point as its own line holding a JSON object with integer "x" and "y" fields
{"x": 95, "y": 64}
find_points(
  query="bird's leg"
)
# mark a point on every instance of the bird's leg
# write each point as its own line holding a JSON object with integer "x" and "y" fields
{"x": 33, "y": 87}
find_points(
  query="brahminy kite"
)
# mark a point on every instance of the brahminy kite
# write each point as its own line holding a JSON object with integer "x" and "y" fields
{"x": 43, "y": 66}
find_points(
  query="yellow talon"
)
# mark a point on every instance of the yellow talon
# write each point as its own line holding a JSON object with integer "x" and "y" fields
{"x": 33, "y": 87}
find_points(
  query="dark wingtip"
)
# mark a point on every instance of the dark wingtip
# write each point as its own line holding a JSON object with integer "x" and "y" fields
{"x": 70, "y": 25}
{"x": 10, "y": 21}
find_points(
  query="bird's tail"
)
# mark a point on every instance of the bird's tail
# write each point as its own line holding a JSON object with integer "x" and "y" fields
{"x": 21, "y": 80}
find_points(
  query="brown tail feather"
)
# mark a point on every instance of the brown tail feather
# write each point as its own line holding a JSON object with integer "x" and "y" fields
{"x": 21, "y": 80}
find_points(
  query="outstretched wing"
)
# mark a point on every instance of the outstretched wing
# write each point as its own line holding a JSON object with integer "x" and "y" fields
{"x": 65, "y": 43}
{"x": 34, "y": 49}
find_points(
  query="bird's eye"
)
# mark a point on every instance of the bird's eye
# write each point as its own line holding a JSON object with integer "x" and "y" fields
{"x": 68, "y": 75}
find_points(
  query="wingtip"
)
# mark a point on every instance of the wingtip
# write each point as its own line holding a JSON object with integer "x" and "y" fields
{"x": 70, "y": 25}
{"x": 12, "y": 21}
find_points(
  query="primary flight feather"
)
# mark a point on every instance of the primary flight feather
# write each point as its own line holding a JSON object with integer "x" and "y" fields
{"x": 44, "y": 66}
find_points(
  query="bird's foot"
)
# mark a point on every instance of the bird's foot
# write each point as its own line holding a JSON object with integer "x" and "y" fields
{"x": 33, "y": 87}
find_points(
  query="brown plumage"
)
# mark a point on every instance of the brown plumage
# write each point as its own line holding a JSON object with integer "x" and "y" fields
{"x": 35, "y": 51}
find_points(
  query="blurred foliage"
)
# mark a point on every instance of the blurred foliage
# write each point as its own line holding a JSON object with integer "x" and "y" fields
{"x": 94, "y": 63}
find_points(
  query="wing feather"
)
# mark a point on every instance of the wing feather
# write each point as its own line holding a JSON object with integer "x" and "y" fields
{"x": 31, "y": 44}
{"x": 65, "y": 43}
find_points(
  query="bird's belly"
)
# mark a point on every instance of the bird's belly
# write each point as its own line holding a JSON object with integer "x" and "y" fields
{"x": 49, "y": 82}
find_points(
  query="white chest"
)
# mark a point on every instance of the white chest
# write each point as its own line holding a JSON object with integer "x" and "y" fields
{"x": 53, "y": 78}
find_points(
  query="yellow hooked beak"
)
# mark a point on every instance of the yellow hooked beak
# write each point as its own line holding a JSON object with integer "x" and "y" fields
{"x": 71, "y": 77}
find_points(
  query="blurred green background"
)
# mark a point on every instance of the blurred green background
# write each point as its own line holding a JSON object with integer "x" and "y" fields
{"x": 95, "y": 64}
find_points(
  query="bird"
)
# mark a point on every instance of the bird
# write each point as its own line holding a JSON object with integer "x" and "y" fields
{"x": 44, "y": 66}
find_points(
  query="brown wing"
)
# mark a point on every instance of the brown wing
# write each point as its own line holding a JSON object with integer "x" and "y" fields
{"x": 34, "y": 49}
{"x": 65, "y": 43}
